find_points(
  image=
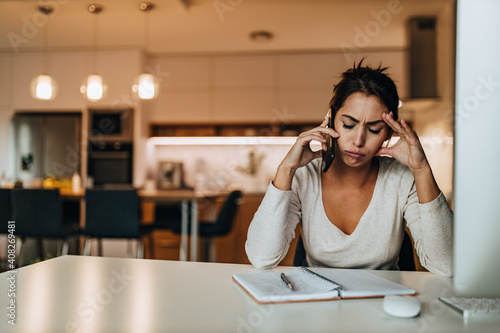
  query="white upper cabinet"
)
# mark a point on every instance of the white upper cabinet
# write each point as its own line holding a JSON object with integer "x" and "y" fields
{"x": 244, "y": 88}
{"x": 275, "y": 88}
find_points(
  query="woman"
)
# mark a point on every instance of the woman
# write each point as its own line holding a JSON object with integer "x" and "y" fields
{"x": 352, "y": 214}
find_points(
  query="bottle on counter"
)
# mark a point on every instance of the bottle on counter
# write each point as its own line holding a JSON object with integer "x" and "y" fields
{"x": 76, "y": 183}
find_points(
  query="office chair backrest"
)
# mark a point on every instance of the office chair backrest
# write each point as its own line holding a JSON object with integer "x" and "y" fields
{"x": 5, "y": 210}
{"x": 227, "y": 214}
{"x": 37, "y": 212}
{"x": 300, "y": 254}
{"x": 406, "y": 260}
{"x": 112, "y": 213}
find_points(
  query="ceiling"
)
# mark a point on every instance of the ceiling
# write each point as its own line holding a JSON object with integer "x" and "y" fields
{"x": 210, "y": 26}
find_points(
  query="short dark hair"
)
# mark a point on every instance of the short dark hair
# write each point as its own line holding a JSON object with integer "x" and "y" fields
{"x": 368, "y": 80}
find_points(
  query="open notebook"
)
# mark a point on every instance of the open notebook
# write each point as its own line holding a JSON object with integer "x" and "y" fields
{"x": 315, "y": 284}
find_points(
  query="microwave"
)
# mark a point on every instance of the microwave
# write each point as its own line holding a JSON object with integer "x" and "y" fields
{"x": 111, "y": 125}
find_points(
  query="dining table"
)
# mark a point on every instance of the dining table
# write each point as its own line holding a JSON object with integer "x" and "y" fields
{"x": 189, "y": 200}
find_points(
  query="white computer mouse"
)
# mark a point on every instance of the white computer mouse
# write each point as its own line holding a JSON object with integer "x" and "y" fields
{"x": 402, "y": 306}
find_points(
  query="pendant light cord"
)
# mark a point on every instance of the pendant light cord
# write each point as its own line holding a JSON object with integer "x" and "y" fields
{"x": 146, "y": 8}
{"x": 95, "y": 36}
{"x": 146, "y": 30}
{"x": 44, "y": 52}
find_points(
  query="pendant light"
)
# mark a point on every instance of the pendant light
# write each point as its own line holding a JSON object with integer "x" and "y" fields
{"x": 146, "y": 86}
{"x": 44, "y": 87}
{"x": 94, "y": 88}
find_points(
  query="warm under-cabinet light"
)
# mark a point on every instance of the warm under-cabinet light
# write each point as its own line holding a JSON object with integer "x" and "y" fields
{"x": 222, "y": 140}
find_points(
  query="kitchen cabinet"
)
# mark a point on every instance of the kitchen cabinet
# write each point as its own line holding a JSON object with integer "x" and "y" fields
{"x": 258, "y": 88}
{"x": 185, "y": 93}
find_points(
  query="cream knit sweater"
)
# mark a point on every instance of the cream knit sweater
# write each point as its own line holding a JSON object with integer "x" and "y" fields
{"x": 376, "y": 241}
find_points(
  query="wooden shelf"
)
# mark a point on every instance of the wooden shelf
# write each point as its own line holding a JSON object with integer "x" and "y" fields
{"x": 234, "y": 129}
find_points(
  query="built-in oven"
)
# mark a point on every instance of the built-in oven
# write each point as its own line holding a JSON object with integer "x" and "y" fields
{"x": 111, "y": 125}
{"x": 110, "y": 163}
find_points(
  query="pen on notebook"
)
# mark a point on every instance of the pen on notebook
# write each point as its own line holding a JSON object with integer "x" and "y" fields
{"x": 283, "y": 277}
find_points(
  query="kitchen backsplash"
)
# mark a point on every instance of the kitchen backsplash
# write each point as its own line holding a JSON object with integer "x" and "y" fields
{"x": 208, "y": 167}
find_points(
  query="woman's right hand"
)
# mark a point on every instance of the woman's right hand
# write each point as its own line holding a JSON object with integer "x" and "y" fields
{"x": 301, "y": 153}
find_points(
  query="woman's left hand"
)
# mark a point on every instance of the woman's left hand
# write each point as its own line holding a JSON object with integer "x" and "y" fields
{"x": 407, "y": 150}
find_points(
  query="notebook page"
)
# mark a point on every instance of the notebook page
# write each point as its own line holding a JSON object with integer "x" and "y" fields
{"x": 361, "y": 283}
{"x": 268, "y": 286}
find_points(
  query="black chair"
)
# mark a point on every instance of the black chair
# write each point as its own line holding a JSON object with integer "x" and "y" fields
{"x": 300, "y": 254}
{"x": 169, "y": 217}
{"x": 406, "y": 260}
{"x": 113, "y": 214}
{"x": 5, "y": 217}
{"x": 38, "y": 213}
{"x": 5, "y": 210}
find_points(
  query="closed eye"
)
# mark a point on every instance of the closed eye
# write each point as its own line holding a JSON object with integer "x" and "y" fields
{"x": 369, "y": 129}
{"x": 348, "y": 126}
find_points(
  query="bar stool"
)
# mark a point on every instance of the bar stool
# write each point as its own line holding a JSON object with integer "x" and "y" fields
{"x": 38, "y": 213}
{"x": 169, "y": 218}
{"x": 112, "y": 213}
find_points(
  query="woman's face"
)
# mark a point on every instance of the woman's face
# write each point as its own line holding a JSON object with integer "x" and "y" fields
{"x": 361, "y": 128}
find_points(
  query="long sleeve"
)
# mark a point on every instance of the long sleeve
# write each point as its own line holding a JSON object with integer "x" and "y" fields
{"x": 431, "y": 226}
{"x": 272, "y": 228}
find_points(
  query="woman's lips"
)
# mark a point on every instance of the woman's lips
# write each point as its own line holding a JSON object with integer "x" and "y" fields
{"x": 354, "y": 154}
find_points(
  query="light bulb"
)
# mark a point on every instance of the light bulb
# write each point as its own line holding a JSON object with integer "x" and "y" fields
{"x": 43, "y": 87}
{"x": 146, "y": 86}
{"x": 94, "y": 88}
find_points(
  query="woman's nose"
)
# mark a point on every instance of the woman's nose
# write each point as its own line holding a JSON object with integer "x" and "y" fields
{"x": 359, "y": 140}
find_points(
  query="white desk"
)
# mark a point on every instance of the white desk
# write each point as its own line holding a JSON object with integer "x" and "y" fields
{"x": 94, "y": 294}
